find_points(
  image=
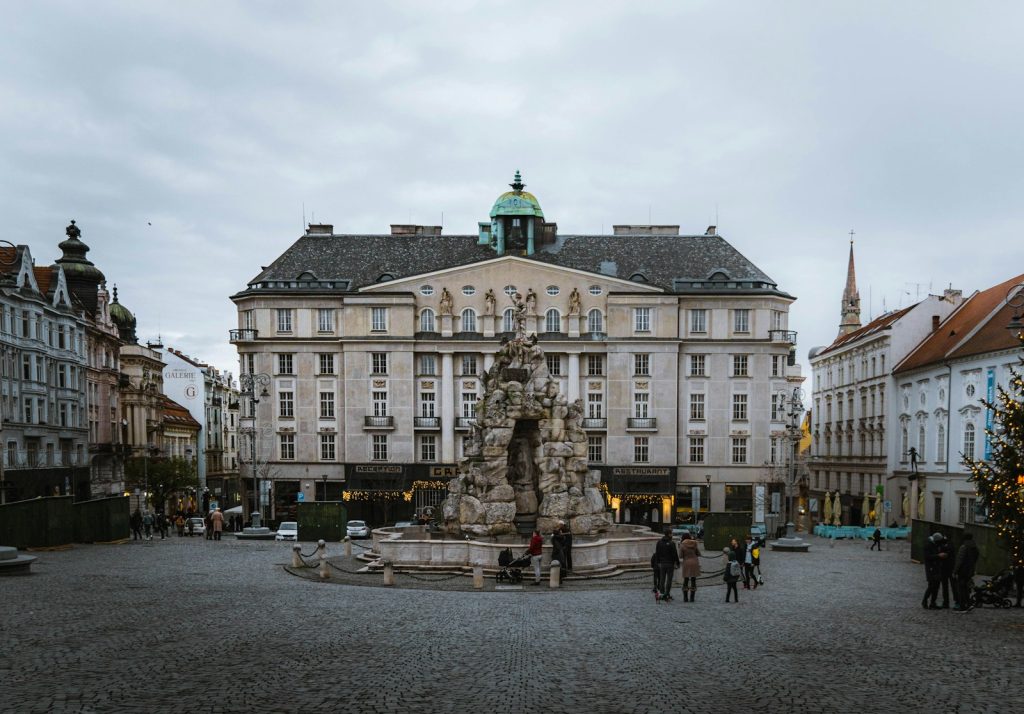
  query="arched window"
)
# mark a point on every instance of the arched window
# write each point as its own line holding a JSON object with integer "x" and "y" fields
{"x": 940, "y": 446}
{"x": 427, "y": 320}
{"x": 508, "y": 320}
{"x": 969, "y": 441}
{"x": 552, "y": 321}
{"x": 468, "y": 320}
{"x": 921, "y": 443}
{"x": 904, "y": 442}
{"x": 595, "y": 321}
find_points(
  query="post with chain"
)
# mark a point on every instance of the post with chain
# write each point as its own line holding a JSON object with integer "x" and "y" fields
{"x": 348, "y": 547}
{"x": 555, "y": 578}
{"x": 478, "y": 575}
{"x": 296, "y": 556}
{"x": 321, "y": 547}
{"x": 389, "y": 573}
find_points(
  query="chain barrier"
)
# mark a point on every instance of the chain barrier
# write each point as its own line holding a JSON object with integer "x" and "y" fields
{"x": 360, "y": 545}
{"x": 432, "y": 580}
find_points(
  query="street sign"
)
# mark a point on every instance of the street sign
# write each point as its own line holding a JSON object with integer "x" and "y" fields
{"x": 300, "y": 497}
{"x": 887, "y": 505}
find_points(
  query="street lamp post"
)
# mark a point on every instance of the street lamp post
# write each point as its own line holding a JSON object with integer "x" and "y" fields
{"x": 794, "y": 407}
{"x": 254, "y": 386}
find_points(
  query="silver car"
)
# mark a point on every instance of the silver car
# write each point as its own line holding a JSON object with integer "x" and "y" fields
{"x": 358, "y": 529}
{"x": 288, "y": 530}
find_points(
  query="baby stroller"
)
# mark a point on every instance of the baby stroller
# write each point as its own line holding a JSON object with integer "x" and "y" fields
{"x": 995, "y": 592}
{"x": 511, "y": 567}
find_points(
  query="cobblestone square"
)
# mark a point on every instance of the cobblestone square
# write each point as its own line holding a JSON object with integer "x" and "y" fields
{"x": 200, "y": 626}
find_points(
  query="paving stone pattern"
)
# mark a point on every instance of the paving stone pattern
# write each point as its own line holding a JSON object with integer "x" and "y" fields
{"x": 189, "y": 625}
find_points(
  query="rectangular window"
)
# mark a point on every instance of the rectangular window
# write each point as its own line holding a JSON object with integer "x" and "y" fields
{"x": 327, "y": 452}
{"x": 469, "y": 405}
{"x": 427, "y": 404}
{"x": 699, "y": 320}
{"x": 777, "y": 320}
{"x": 739, "y": 407}
{"x": 248, "y": 322}
{"x": 739, "y": 450}
{"x": 774, "y": 455}
{"x": 696, "y": 449}
{"x": 326, "y": 405}
{"x": 249, "y": 363}
{"x": 641, "y": 453}
{"x": 378, "y": 319}
{"x": 468, "y": 364}
{"x": 380, "y": 403}
{"x": 595, "y": 405}
{"x": 286, "y": 404}
{"x": 698, "y": 366}
{"x": 326, "y": 363}
{"x": 378, "y": 363}
{"x": 965, "y": 514}
{"x": 641, "y": 405}
{"x": 777, "y": 412}
{"x": 777, "y": 363}
{"x": 325, "y": 319}
{"x": 641, "y": 319}
{"x": 287, "y": 447}
{"x": 285, "y": 363}
{"x": 379, "y": 447}
{"x": 642, "y": 365}
{"x": 739, "y": 366}
{"x": 741, "y": 321}
{"x": 595, "y": 449}
{"x": 428, "y": 365}
{"x": 697, "y": 407}
{"x": 428, "y": 448}
{"x": 937, "y": 506}
{"x": 554, "y": 364}
{"x": 595, "y": 365}
{"x": 284, "y": 319}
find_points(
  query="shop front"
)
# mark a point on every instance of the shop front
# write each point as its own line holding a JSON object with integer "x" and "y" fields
{"x": 641, "y": 495}
{"x": 382, "y": 494}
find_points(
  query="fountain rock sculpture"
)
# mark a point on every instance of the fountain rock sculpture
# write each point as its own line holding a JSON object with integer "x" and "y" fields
{"x": 525, "y": 462}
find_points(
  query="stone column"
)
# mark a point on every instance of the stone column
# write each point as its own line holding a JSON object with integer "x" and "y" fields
{"x": 573, "y": 392}
{"x": 447, "y": 398}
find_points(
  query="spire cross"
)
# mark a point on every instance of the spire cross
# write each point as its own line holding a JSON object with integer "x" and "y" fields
{"x": 851, "y": 236}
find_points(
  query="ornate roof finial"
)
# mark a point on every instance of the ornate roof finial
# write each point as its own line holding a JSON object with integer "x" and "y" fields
{"x": 517, "y": 184}
{"x": 73, "y": 231}
{"x": 115, "y": 293}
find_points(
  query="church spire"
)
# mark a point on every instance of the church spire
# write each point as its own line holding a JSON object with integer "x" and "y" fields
{"x": 851, "y": 299}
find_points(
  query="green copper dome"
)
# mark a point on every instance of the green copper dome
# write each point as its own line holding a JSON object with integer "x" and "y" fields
{"x": 73, "y": 260}
{"x": 123, "y": 318}
{"x": 517, "y": 202}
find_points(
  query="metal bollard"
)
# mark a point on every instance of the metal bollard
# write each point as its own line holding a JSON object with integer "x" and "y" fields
{"x": 478, "y": 575}
{"x": 348, "y": 547}
{"x": 554, "y": 579}
{"x": 389, "y": 573}
{"x": 296, "y": 557}
{"x": 324, "y": 572}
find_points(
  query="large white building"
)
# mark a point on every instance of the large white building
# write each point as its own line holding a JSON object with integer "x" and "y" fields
{"x": 851, "y": 410}
{"x": 375, "y": 345}
{"x": 939, "y": 415}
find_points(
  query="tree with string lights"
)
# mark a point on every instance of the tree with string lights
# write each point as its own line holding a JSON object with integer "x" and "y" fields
{"x": 999, "y": 480}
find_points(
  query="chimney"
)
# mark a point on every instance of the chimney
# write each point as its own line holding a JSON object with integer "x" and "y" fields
{"x": 951, "y": 295}
{"x": 711, "y": 231}
{"x": 411, "y": 229}
{"x": 320, "y": 229}
{"x": 645, "y": 230}
{"x": 935, "y": 323}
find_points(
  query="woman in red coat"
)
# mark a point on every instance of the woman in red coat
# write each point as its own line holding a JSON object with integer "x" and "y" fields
{"x": 536, "y": 551}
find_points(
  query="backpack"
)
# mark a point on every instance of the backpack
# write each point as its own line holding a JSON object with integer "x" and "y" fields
{"x": 734, "y": 569}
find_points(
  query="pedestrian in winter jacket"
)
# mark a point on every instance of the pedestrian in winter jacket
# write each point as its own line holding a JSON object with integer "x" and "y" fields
{"x": 731, "y": 574}
{"x": 689, "y": 554}
{"x": 536, "y": 551}
{"x": 963, "y": 569}
{"x": 932, "y": 571}
{"x": 947, "y": 557}
{"x": 668, "y": 561}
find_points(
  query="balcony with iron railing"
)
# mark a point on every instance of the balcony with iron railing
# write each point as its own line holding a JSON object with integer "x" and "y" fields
{"x": 426, "y": 422}
{"x": 42, "y": 459}
{"x": 595, "y": 423}
{"x": 642, "y": 424}
{"x": 378, "y": 422}
{"x": 243, "y": 335}
{"x": 787, "y": 337}
{"x": 464, "y": 423}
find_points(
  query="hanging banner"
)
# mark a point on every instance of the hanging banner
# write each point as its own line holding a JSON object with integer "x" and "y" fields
{"x": 759, "y": 504}
{"x": 990, "y": 395}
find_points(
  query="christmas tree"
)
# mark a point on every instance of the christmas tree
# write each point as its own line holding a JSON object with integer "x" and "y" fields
{"x": 999, "y": 481}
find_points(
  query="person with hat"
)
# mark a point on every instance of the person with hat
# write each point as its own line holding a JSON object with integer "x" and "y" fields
{"x": 946, "y": 558}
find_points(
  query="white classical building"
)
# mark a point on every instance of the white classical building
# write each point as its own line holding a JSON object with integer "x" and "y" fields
{"x": 939, "y": 414}
{"x": 851, "y": 418}
{"x": 375, "y": 346}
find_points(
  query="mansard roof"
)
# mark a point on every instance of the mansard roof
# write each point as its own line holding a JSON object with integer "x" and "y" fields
{"x": 676, "y": 263}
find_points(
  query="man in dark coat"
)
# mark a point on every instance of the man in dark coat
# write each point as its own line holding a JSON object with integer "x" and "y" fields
{"x": 963, "y": 569}
{"x": 561, "y": 550}
{"x": 946, "y": 558}
{"x": 932, "y": 571}
{"x": 136, "y": 524}
{"x": 668, "y": 560}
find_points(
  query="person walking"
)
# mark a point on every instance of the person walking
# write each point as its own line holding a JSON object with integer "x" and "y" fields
{"x": 561, "y": 550}
{"x": 147, "y": 525}
{"x": 191, "y": 526}
{"x": 179, "y": 524}
{"x": 161, "y": 524}
{"x": 932, "y": 571}
{"x": 876, "y": 540}
{"x": 668, "y": 560}
{"x": 217, "y": 518}
{"x": 536, "y": 551}
{"x": 689, "y": 554}
{"x": 136, "y": 523}
{"x": 748, "y": 564}
{"x": 732, "y": 574}
{"x": 208, "y": 521}
{"x": 946, "y": 561}
{"x": 966, "y": 561}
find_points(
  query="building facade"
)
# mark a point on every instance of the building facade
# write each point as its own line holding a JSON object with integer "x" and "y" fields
{"x": 851, "y": 410}
{"x": 375, "y": 345}
{"x": 940, "y": 387}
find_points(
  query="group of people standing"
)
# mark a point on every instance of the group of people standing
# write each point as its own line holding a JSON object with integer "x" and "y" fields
{"x": 742, "y": 560}
{"x": 667, "y": 558}
{"x": 561, "y": 550}
{"x": 943, "y": 567}
{"x": 145, "y": 525}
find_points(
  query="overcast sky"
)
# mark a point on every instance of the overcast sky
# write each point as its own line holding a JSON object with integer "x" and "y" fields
{"x": 793, "y": 123}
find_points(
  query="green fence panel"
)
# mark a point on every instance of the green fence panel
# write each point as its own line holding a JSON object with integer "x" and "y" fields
{"x": 327, "y": 520}
{"x": 102, "y": 520}
{"x": 37, "y": 523}
{"x": 720, "y": 528}
{"x": 993, "y": 553}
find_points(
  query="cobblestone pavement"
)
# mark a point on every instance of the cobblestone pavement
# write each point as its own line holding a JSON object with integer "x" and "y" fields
{"x": 189, "y": 625}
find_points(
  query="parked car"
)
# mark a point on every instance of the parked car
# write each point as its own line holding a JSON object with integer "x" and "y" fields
{"x": 198, "y": 525}
{"x": 358, "y": 529}
{"x": 404, "y": 524}
{"x": 697, "y": 531}
{"x": 288, "y": 530}
{"x": 758, "y": 534}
